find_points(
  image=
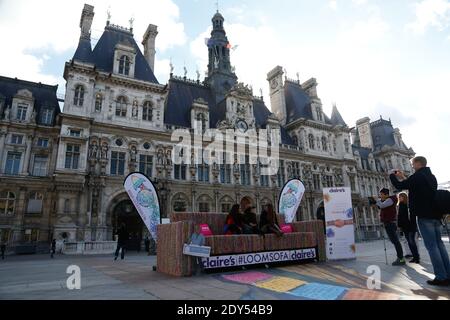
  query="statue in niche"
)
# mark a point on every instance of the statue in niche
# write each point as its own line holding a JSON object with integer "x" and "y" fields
{"x": 135, "y": 109}
{"x": 93, "y": 150}
{"x": 133, "y": 154}
{"x": 160, "y": 157}
{"x": 168, "y": 157}
{"x": 7, "y": 111}
{"x": 33, "y": 117}
{"x": 104, "y": 151}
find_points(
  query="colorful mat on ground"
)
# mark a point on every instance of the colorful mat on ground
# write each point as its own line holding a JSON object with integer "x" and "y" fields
{"x": 297, "y": 287}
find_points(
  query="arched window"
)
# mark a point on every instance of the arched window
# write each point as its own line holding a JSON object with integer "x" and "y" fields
{"x": 202, "y": 119}
{"x": 67, "y": 206}
{"x": 390, "y": 166}
{"x": 346, "y": 146}
{"x": 78, "y": 99}
{"x": 7, "y": 203}
{"x": 295, "y": 140}
{"x": 124, "y": 65}
{"x": 121, "y": 107}
{"x": 319, "y": 114}
{"x": 98, "y": 102}
{"x": 334, "y": 146}
{"x": 35, "y": 203}
{"x": 324, "y": 144}
{"x": 147, "y": 111}
{"x": 311, "y": 141}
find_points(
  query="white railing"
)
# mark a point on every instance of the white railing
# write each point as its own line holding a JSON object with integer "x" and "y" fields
{"x": 89, "y": 247}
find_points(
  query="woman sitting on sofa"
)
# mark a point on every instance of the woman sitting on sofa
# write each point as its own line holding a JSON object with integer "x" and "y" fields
{"x": 233, "y": 223}
{"x": 268, "y": 222}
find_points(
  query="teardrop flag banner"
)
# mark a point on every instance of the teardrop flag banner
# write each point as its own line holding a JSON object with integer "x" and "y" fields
{"x": 143, "y": 194}
{"x": 290, "y": 198}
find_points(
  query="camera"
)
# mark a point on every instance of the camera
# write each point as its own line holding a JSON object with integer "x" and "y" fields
{"x": 372, "y": 200}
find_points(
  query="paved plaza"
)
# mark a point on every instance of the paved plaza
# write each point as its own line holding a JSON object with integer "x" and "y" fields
{"x": 102, "y": 278}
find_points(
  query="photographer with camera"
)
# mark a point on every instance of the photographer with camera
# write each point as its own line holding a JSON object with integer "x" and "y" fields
{"x": 388, "y": 216}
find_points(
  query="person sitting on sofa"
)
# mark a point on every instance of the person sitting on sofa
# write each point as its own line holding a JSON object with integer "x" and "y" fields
{"x": 250, "y": 223}
{"x": 234, "y": 223}
{"x": 269, "y": 223}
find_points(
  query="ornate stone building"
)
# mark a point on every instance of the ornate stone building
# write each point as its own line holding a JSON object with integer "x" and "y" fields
{"x": 119, "y": 119}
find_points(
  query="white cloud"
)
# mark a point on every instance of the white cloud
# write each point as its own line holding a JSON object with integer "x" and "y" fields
{"x": 332, "y": 4}
{"x": 430, "y": 13}
{"x": 28, "y": 26}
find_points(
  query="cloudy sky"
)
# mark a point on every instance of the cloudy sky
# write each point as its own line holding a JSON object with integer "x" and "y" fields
{"x": 372, "y": 58}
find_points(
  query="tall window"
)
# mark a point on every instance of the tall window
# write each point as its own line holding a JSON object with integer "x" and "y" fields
{"x": 7, "y": 203}
{"x": 21, "y": 112}
{"x": 263, "y": 179}
{"x": 117, "y": 163}
{"x": 201, "y": 121}
{"x": 180, "y": 171}
{"x": 319, "y": 114}
{"x": 98, "y": 102}
{"x": 203, "y": 206}
{"x": 281, "y": 176}
{"x": 316, "y": 181}
{"x": 72, "y": 156}
{"x": 16, "y": 139}
{"x": 245, "y": 172}
{"x": 124, "y": 65}
{"x": 13, "y": 163}
{"x": 295, "y": 140}
{"x": 324, "y": 144}
{"x": 75, "y": 133}
{"x": 40, "y": 166}
{"x": 346, "y": 146}
{"x": 47, "y": 116}
{"x": 146, "y": 165}
{"x": 67, "y": 206}
{"x": 147, "y": 111}
{"x": 352, "y": 183}
{"x": 311, "y": 141}
{"x": 121, "y": 107}
{"x": 78, "y": 99}
{"x": 203, "y": 172}
{"x": 296, "y": 169}
{"x": 35, "y": 203}
{"x": 225, "y": 173}
{"x": 329, "y": 181}
{"x": 42, "y": 142}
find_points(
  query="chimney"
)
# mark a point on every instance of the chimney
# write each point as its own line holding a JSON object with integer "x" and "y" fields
{"x": 149, "y": 45}
{"x": 87, "y": 16}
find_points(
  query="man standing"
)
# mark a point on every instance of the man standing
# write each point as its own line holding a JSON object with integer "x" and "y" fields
{"x": 3, "y": 249}
{"x": 53, "y": 248}
{"x": 122, "y": 239}
{"x": 147, "y": 245}
{"x": 388, "y": 216}
{"x": 422, "y": 186}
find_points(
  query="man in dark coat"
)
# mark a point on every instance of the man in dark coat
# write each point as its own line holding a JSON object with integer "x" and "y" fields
{"x": 122, "y": 239}
{"x": 53, "y": 248}
{"x": 320, "y": 215}
{"x": 3, "y": 249}
{"x": 422, "y": 186}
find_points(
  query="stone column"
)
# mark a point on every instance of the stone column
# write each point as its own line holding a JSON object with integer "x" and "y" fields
{"x": 216, "y": 199}
{"x": 193, "y": 201}
{"x": 2, "y": 147}
{"x": 26, "y": 162}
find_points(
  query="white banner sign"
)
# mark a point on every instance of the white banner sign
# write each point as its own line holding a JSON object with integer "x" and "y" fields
{"x": 290, "y": 198}
{"x": 340, "y": 229}
{"x": 145, "y": 199}
{"x": 196, "y": 251}
{"x": 258, "y": 258}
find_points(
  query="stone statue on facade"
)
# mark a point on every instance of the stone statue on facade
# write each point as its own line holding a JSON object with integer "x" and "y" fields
{"x": 168, "y": 158}
{"x": 160, "y": 157}
{"x": 7, "y": 111}
{"x": 93, "y": 150}
{"x": 104, "y": 151}
{"x": 133, "y": 154}
{"x": 33, "y": 117}
{"x": 134, "y": 111}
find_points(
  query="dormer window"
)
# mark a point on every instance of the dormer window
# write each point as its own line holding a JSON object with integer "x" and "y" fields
{"x": 346, "y": 146}
{"x": 121, "y": 107}
{"x": 324, "y": 144}
{"x": 78, "y": 99}
{"x": 319, "y": 114}
{"x": 311, "y": 141}
{"x": 22, "y": 112}
{"x": 47, "y": 116}
{"x": 147, "y": 111}
{"x": 98, "y": 102}
{"x": 16, "y": 139}
{"x": 202, "y": 119}
{"x": 124, "y": 65}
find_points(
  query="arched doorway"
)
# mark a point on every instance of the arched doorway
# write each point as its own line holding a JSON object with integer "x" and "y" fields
{"x": 125, "y": 212}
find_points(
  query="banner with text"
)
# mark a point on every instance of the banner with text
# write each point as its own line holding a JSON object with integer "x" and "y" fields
{"x": 258, "y": 258}
{"x": 145, "y": 199}
{"x": 290, "y": 198}
{"x": 340, "y": 229}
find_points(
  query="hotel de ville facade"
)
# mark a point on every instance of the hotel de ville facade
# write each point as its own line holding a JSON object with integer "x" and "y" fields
{"x": 62, "y": 172}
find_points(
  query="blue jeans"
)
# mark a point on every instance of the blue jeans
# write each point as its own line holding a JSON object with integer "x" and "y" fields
{"x": 411, "y": 238}
{"x": 391, "y": 230}
{"x": 430, "y": 229}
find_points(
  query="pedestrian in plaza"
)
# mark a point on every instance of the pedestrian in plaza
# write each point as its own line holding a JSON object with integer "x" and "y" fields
{"x": 320, "y": 215}
{"x": 388, "y": 216}
{"x": 122, "y": 239}
{"x": 2, "y": 250}
{"x": 197, "y": 239}
{"x": 407, "y": 224}
{"x": 233, "y": 222}
{"x": 422, "y": 186}
{"x": 268, "y": 221}
{"x": 147, "y": 245}
{"x": 53, "y": 248}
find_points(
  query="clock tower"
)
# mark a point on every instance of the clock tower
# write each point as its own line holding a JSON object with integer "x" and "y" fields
{"x": 277, "y": 98}
{"x": 221, "y": 76}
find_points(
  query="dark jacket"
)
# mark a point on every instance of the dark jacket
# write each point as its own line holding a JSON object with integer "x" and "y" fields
{"x": 421, "y": 186}
{"x": 249, "y": 217}
{"x": 403, "y": 217}
{"x": 264, "y": 219}
{"x": 389, "y": 214}
{"x": 123, "y": 236}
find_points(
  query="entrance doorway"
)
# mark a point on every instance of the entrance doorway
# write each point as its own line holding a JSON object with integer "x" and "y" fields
{"x": 126, "y": 213}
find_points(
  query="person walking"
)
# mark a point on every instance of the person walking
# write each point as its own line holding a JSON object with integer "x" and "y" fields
{"x": 2, "y": 250}
{"x": 147, "y": 245}
{"x": 422, "y": 186}
{"x": 407, "y": 224}
{"x": 122, "y": 239}
{"x": 53, "y": 248}
{"x": 388, "y": 216}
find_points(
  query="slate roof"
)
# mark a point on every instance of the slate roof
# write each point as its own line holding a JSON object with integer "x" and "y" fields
{"x": 382, "y": 133}
{"x": 336, "y": 118}
{"x": 102, "y": 57}
{"x": 44, "y": 95}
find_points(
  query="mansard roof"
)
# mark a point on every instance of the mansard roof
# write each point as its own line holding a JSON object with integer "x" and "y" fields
{"x": 298, "y": 103}
{"x": 336, "y": 118}
{"x": 102, "y": 57}
{"x": 382, "y": 133}
{"x": 44, "y": 95}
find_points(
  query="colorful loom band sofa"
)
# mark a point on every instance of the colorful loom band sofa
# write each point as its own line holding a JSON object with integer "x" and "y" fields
{"x": 173, "y": 236}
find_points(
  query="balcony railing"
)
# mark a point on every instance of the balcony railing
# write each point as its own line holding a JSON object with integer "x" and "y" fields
{"x": 89, "y": 247}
